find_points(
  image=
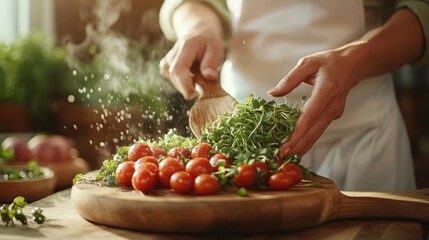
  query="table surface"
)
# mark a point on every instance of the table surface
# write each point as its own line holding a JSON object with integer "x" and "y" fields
{"x": 65, "y": 223}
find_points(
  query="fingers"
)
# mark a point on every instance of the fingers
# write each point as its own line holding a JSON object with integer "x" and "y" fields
{"x": 180, "y": 69}
{"x": 211, "y": 61}
{"x": 176, "y": 66}
{"x": 326, "y": 104}
{"x": 177, "y": 63}
{"x": 302, "y": 72}
{"x": 164, "y": 64}
{"x": 302, "y": 141}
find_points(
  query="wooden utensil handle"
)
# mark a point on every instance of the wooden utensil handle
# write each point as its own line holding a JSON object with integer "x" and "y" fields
{"x": 209, "y": 88}
{"x": 413, "y": 205}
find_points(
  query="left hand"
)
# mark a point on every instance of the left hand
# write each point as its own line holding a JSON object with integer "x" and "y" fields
{"x": 332, "y": 74}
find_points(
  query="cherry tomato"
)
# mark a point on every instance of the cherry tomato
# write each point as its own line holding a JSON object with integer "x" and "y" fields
{"x": 138, "y": 150}
{"x": 158, "y": 152}
{"x": 149, "y": 166}
{"x": 182, "y": 182}
{"x": 199, "y": 165}
{"x": 151, "y": 159}
{"x": 280, "y": 181}
{"x": 261, "y": 166}
{"x": 217, "y": 158}
{"x": 263, "y": 169}
{"x": 179, "y": 152}
{"x": 202, "y": 150}
{"x": 294, "y": 171}
{"x": 124, "y": 173}
{"x": 246, "y": 176}
{"x": 168, "y": 167}
{"x": 206, "y": 184}
{"x": 143, "y": 180}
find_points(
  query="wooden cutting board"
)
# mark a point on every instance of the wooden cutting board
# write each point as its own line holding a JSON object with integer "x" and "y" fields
{"x": 226, "y": 212}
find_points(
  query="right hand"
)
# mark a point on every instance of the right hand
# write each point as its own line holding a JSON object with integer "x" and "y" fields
{"x": 196, "y": 43}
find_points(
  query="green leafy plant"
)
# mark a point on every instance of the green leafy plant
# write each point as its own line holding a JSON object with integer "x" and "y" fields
{"x": 253, "y": 131}
{"x": 15, "y": 211}
{"x": 9, "y": 174}
{"x": 31, "y": 71}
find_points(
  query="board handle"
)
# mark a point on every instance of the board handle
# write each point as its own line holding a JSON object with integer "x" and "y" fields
{"x": 410, "y": 205}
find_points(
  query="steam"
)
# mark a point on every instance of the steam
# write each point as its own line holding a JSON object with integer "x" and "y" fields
{"x": 126, "y": 73}
{"x": 108, "y": 13}
{"x": 125, "y": 70}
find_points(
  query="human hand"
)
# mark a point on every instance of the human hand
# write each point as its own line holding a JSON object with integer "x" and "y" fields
{"x": 332, "y": 74}
{"x": 198, "y": 41}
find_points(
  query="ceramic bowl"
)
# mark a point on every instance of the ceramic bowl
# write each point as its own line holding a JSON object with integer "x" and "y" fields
{"x": 31, "y": 189}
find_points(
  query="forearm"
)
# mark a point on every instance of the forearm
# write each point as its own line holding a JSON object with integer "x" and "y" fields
{"x": 191, "y": 16}
{"x": 398, "y": 42}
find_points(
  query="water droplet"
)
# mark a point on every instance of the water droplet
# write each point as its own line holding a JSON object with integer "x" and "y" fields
{"x": 70, "y": 99}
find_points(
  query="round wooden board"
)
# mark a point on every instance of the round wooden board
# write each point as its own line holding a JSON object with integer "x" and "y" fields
{"x": 226, "y": 212}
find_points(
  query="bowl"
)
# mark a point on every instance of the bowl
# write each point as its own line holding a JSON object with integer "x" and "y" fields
{"x": 31, "y": 189}
{"x": 66, "y": 171}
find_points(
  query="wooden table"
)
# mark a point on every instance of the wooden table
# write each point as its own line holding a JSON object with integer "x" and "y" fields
{"x": 66, "y": 223}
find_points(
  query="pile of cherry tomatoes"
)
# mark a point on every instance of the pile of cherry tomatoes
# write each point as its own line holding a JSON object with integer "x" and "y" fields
{"x": 198, "y": 170}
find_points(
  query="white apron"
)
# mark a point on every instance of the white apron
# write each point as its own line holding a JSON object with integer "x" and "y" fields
{"x": 367, "y": 149}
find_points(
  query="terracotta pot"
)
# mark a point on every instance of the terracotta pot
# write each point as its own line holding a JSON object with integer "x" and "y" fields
{"x": 14, "y": 118}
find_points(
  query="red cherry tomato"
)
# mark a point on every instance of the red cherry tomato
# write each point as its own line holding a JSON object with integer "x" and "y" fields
{"x": 179, "y": 152}
{"x": 294, "y": 171}
{"x": 143, "y": 180}
{"x": 206, "y": 184}
{"x": 151, "y": 159}
{"x": 280, "y": 181}
{"x": 168, "y": 167}
{"x": 261, "y": 166}
{"x": 199, "y": 165}
{"x": 158, "y": 152}
{"x": 263, "y": 169}
{"x": 149, "y": 166}
{"x": 217, "y": 158}
{"x": 138, "y": 150}
{"x": 124, "y": 173}
{"x": 246, "y": 176}
{"x": 182, "y": 182}
{"x": 202, "y": 150}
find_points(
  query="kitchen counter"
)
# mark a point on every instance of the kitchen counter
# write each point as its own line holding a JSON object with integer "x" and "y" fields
{"x": 65, "y": 223}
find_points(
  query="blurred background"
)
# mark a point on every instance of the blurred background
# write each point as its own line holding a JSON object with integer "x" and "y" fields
{"x": 88, "y": 70}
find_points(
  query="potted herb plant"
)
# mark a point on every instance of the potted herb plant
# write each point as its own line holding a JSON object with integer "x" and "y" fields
{"x": 31, "y": 69}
